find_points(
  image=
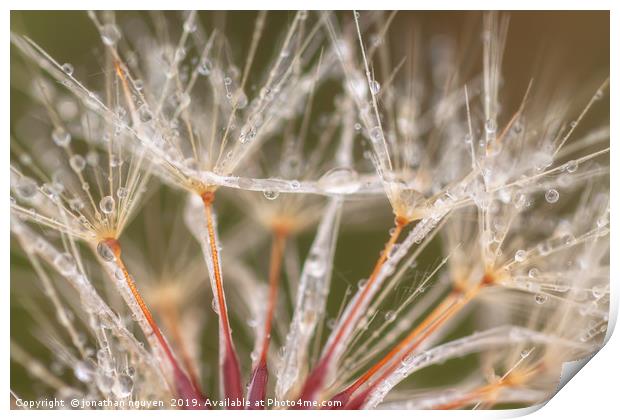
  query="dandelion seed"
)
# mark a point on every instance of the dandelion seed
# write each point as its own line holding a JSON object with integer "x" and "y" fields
{"x": 61, "y": 137}
{"x": 552, "y": 196}
{"x": 110, "y": 34}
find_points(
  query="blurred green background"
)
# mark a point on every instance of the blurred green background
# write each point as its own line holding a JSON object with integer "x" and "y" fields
{"x": 576, "y": 43}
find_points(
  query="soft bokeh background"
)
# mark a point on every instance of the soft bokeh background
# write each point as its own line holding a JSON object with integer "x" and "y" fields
{"x": 574, "y": 45}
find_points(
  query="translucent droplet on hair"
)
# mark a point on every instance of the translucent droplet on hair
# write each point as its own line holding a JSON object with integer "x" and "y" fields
{"x": 83, "y": 371}
{"x": 67, "y": 68}
{"x": 65, "y": 263}
{"x": 105, "y": 252}
{"x": 123, "y": 386}
{"x": 107, "y": 204}
{"x": 271, "y": 194}
{"x": 77, "y": 163}
{"x": 61, "y": 137}
{"x": 26, "y": 188}
{"x": 552, "y": 196}
{"x": 520, "y": 255}
{"x": 375, "y": 87}
{"x": 341, "y": 180}
{"x": 110, "y": 34}
{"x": 540, "y": 299}
{"x": 571, "y": 166}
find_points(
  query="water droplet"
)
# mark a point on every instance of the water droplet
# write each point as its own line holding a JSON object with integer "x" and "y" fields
{"x": 390, "y": 316}
{"x": 123, "y": 386}
{"x": 105, "y": 252}
{"x": 83, "y": 371}
{"x": 533, "y": 273}
{"x": 76, "y": 204}
{"x": 107, "y": 204}
{"x": 357, "y": 126}
{"x": 362, "y": 283}
{"x": 67, "y": 68}
{"x": 525, "y": 353}
{"x": 144, "y": 113}
{"x": 599, "y": 95}
{"x": 65, "y": 263}
{"x": 204, "y": 67}
{"x": 77, "y": 163}
{"x": 26, "y": 188}
{"x": 314, "y": 264}
{"x": 490, "y": 126}
{"x": 242, "y": 100}
{"x": 375, "y": 87}
{"x": 214, "y": 306}
{"x": 227, "y": 81}
{"x": 520, "y": 255}
{"x": 340, "y": 181}
{"x": 110, "y": 34}
{"x": 552, "y": 196}
{"x": 61, "y": 137}
{"x": 271, "y": 194}
{"x": 122, "y": 192}
{"x": 540, "y": 299}
{"x": 598, "y": 291}
{"x": 571, "y": 166}
{"x": 376, "y": 134}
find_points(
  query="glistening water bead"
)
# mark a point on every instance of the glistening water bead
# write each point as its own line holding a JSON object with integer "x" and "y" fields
{"x": 67, "y": 68}
{"x": 110, "y": 34}
{"x": 270, "y": 194}
{"x": 105, "y": 252}
{"x": 552, "y": 196}
{"x": 65, "y": 263}
{"x": 520, "y": 255}
{"x": 61, "y": 137}
{"x": 26, "y": 188}
{"x": 107, "y": 204}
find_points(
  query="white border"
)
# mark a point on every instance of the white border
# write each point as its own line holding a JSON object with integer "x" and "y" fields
{"x": 592, "y": 394}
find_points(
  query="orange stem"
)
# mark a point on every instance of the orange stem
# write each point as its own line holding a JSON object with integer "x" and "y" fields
{"x": 231, "y": 372}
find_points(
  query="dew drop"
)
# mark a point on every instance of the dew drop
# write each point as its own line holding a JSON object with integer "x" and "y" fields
{"x": 107, "y": 204}
{"x": 540, "y": 299}
{"x": 122, "y": 192}
{"x": 271, "y": 194}
{"x": 76, "y": 204}
{"x": 77, "y": 163}
{"x": 83, "y": 371}
{"x": 61, "y": 137}
{"x": 376, "y": 135}
{"x": 490, "y": 126}
{"x": 571, "y": 166}
{"x": 144, "y": 113}
{"x": 123, "y": 386}
{"x": 204, "y": 67}
{"x": 67, "y": 68}
{"x": 598, "y": 291}
{"x": 552, "y": 196}
{"x": 341, "y": 180}
{"x": 375, "y": 87}
{"x": 110, "y": 34}
{"x": 390, "y": 316}
{"x": 65, "y": 263}
{"x": 520, "y": 255}
{"x": 26, "y": 188}
{"x": 105, "y": 252}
